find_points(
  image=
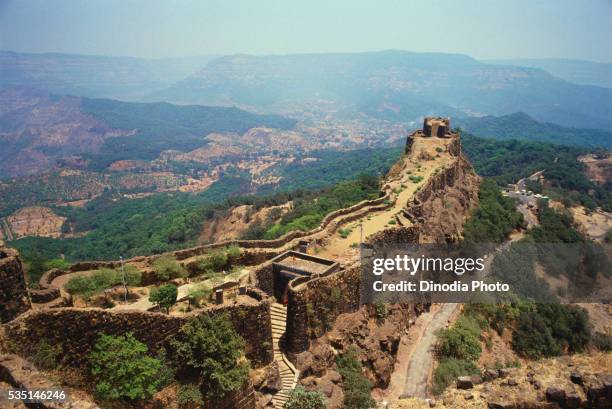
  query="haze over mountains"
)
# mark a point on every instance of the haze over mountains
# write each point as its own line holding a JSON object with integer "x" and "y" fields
{"x": 50, "y": 115}
{"x": 95, "y": 76}
{"x": 392, "y": 85}
{"x": 577, "y": 71}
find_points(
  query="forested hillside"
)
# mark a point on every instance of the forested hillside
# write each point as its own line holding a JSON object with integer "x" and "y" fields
{"x": 521, "y": 126}
{"x": 40, "y": 131}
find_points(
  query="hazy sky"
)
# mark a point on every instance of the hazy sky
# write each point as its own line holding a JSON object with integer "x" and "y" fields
{"x": 164, "y": 28}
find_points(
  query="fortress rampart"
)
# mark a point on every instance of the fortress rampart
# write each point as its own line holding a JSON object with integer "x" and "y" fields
{"x": 77, "y": 329}
{"x": 436, "y": 212}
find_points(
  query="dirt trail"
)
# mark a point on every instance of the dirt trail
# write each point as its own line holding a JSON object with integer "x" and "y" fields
{"x": 339, "y": 248}
{"x": 422, "y": 358}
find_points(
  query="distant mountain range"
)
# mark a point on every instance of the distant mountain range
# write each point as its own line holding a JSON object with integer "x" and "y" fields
{"x": 394, "y": 85}
{"x": 398, "y": 86}
{"x": 576, "y": 71}
{"x": 521, "y": 126}
{"x": 39, "y": 129}
{"x": 95, "y": 76}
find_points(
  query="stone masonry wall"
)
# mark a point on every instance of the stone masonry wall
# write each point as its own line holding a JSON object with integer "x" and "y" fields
{"x": 314, "y": 305}
{"x": 438, "y": 211}
{"x": 77, "y": 330}
{"x": 13, "y": 292}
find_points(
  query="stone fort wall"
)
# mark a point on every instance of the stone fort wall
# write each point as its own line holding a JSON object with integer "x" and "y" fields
{"x": 438, "y": 211}
{"x": 77, "y": 329}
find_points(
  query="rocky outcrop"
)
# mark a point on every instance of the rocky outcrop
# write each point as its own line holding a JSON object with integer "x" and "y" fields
{"x": 439, "y": 209}
{"x": 20, "y": 374}
{"x": 580, "y": 381}
{"x": 374, "y": 332}
{"x": 13, "y": 292}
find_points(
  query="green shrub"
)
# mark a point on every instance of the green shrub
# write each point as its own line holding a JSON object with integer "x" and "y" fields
{"x": 602, "y": 341}
{"x": 450, "y": 369}
{"x": 301, "y": 399}
{"x": 344, "y": 232}
{"x": 217, "y": 260}
{"x": 357, "y": 388}
{"x": 233, "y": 252}
{"x": 382, "y": 311}
{"x": 164, "y": 296}
{"x": 99, "y": 280}
{"x": 199, "y": 294}
{"x": 122, "y": 369}
{"x": 57, "y": 263}
{"x": 549, "y": 329}
{"x": 45, "y": 355}
{"x": 533, "y": 338}
{"x": 415, "y": 178}
{"x": 167, "y": 268}
{"x": 208, "y": 351}
{"x": 190, "y": 394}
{"x": 461, "y": 341}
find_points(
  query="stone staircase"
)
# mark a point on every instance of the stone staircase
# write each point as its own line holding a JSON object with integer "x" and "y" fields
{"x": 288, "y": 373}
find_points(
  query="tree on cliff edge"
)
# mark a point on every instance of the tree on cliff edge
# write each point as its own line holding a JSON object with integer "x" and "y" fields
{"x": 209, "y": 351}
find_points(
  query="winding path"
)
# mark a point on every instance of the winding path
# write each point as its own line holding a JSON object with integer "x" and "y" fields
{"x": 422, "y": 359}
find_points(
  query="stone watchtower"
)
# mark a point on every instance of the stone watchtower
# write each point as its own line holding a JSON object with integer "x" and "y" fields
{"x": 13, "y": 291}
{"x": 432, "y": 127}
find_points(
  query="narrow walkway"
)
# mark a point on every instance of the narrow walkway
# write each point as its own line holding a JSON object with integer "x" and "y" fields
{"x": 288, "y": 373}
{"x": 422, "y": 359}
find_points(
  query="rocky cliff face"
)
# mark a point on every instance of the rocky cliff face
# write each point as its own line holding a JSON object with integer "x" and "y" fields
{"x": 440, "y": 208}
{"x": 374, "y": 334}
{"x": 13, "y": 292}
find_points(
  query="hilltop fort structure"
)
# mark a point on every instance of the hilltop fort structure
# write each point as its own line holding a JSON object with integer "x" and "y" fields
{"x": 287, "y": 298}
{"x": 433, "y": 127}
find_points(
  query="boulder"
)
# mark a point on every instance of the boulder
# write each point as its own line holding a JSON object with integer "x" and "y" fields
{"x": 511, "y": 382}
{"x": 554, "y": 394}
{"x": 268, "y": 381}
{"x": 465, "y": 382}
{"x": 490, "y": 374}
{"x": 500, "y": 404}
{"x": 576, "y": 378}
{"x": 572, "y": 401}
